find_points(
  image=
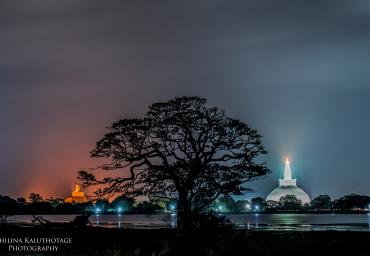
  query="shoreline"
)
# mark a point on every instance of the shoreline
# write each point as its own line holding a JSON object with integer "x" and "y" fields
{"x": 222, "y": 213}
{"x": 258, "y": 222}
{"x": 334, "y": 227}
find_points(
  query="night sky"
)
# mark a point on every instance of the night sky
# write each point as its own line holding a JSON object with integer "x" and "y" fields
{"x": 297, "y": 71}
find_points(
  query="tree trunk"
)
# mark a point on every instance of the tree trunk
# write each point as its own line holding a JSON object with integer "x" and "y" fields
{"x": 183, "y": 213}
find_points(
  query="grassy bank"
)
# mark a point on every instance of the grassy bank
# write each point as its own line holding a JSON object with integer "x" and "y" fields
{"x": 100, "y": 241}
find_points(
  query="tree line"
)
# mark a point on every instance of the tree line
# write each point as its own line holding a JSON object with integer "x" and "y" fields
{"x": 224, "y": 204}
{"x": 121, "y": 204}
{"x": 322, "y": 203}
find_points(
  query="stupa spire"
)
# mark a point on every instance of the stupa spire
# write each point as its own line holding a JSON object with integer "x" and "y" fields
{"x": 77, "y": 188}
{"x": 287, "y": 180}
{"x": 287, "y": 171}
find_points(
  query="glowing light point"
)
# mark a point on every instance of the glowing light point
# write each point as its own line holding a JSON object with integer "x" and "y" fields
{"x": 97, "y": 210}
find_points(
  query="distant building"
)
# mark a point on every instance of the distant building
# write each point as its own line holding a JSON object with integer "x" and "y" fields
{"x": 77, "y": 196}
{"x": 288, "y": 186}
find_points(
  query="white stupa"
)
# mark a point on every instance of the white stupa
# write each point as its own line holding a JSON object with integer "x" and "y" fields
{"x": 288, "y": 186}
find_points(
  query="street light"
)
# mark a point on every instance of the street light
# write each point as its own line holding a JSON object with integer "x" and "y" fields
{"x": 119, "y": 210}
{"x": 97, "y": 210}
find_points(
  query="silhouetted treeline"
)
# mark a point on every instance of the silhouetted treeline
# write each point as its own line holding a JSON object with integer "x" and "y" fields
{"x": 37, "y": 205}
{"x": 224, "y": 204}
{"x": 321, "y": 203}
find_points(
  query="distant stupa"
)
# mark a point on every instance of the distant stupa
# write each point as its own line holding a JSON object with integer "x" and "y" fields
{"x": 288, "y": 186}
{"x": 77, "y": 196}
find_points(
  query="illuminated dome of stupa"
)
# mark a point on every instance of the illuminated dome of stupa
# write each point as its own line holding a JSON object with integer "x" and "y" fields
{"x": 288, "y": 186}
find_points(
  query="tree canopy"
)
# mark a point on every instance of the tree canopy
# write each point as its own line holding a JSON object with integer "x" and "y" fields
{"x": 180, "y": 149}
{"x": 290, "y": 202}
{"x": 352, "y": 201}
{"x": 34, "y": 198}
{"x": 321, "y": 202}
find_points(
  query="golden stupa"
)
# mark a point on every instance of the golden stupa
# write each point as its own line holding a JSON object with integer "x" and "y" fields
{"x": 77, "y": 196}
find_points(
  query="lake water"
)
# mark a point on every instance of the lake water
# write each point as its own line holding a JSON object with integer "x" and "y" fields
{"x": 301, "y": 222}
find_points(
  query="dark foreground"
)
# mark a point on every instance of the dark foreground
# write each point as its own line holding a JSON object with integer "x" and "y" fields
{"x": 100, "y": 241}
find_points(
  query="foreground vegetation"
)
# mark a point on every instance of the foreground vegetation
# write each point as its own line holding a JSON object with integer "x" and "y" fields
{"x": 100, "y": 241}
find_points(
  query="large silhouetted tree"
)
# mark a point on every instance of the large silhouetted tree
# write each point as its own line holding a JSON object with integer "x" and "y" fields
{"x": 181, "y": 149}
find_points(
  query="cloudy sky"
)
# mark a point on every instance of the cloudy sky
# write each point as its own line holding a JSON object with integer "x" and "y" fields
{"x": 297, "y": 71}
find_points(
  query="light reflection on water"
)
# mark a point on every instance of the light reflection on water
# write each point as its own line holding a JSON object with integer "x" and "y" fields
{"x": 119, "y": 221}
{"x": 256, "y": 221}
{"x": 303, "y": 222}
{"x": 97, "y": 219}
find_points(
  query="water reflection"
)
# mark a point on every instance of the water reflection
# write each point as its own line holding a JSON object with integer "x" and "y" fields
{"x": 119, "y": 220}
{"x": 173, "y": 220}
{"x": 97, "y": 219}
{"x": 254, "y": 221}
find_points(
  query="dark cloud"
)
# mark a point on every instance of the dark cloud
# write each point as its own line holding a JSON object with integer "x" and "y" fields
{"x": 295, "y": 70}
